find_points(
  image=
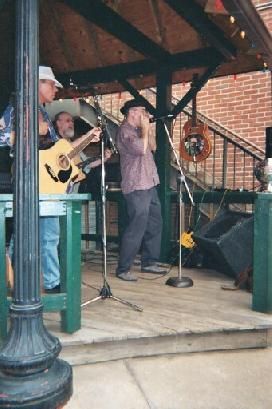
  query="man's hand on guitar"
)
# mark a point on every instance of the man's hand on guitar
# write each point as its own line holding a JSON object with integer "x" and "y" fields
{"x": 93, "y": 133}
{"x": 96, "y": 132}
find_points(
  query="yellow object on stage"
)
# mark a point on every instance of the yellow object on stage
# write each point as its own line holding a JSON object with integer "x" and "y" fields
{"x": 186, "y": 240}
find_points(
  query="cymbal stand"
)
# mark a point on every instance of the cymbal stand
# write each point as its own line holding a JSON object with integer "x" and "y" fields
{"x": 180, "y": 282}
{"x": 105, "y": 291}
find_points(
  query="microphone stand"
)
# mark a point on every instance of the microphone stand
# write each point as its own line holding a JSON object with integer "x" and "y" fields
{"x": 105, "y": 291}
{"x": 180, "y": 282}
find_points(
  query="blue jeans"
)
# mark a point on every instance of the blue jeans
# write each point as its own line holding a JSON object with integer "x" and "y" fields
{"x": 49, "y": 241}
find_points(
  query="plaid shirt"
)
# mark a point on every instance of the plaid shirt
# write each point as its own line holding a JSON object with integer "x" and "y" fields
{"x": 138, "y": 169}
{"x": 7, "y": 125}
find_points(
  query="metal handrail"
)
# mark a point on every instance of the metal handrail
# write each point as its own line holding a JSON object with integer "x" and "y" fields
{"x": 221, "y": 130}
{"x": 232, "y": 162}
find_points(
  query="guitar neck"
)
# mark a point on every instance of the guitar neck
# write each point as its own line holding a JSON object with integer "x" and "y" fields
{"x": 79, "y": 148}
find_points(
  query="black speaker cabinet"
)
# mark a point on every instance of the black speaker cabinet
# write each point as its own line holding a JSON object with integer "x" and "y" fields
{"x": 228, "y": 240}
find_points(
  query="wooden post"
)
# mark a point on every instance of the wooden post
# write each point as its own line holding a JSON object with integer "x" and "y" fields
{"x": 262, "y": 263}
{"x": 30, "y": 374}
{"x": 3, "y": 284}
{"x": 71, "y": 268}
{"x": 163, "y": 104}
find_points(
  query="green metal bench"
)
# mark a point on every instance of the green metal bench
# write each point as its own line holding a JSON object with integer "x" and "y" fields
{"x": 68, "y": 302}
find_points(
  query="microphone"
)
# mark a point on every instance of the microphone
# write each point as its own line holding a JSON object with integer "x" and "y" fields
{"x": 161, "y": 118}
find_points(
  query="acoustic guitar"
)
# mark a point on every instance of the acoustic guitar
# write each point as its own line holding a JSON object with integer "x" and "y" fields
{"x": 9, "y": 273}
{"x": 58, "y": 165}
{"x": 195, "y": 143}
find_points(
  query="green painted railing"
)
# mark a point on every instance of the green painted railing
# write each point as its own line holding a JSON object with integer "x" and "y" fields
{"x": 68, "y": 302}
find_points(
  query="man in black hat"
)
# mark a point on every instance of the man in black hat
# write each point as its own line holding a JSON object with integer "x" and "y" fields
{"x": 136, "y": 145}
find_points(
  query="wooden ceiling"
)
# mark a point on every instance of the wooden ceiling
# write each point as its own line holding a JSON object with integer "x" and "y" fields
{"x": 105, "y": 44}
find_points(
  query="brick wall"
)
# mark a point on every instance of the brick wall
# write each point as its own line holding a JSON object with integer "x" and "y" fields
{"x": 241, "y": 103}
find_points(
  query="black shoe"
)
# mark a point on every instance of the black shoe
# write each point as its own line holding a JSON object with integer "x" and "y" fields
{"x": 54, "y": 290}
{"x": 154, "y": 269}
{"x": 128, "y": 276}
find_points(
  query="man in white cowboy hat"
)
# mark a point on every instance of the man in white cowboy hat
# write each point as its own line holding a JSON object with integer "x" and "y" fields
{"x": 46, "y": 73}
{"x": 49, "y": 226}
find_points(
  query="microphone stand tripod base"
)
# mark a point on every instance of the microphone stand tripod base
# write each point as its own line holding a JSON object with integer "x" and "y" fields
{"x": 180, "y": 282}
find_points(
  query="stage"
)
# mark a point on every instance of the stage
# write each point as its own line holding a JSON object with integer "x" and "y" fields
{"x": 201, "y": 318}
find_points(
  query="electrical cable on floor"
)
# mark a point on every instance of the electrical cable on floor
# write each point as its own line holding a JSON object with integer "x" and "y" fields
{"x": 89, "y": 285}
{"x": 157, "y": 275}
{"x": 96, "y": 259}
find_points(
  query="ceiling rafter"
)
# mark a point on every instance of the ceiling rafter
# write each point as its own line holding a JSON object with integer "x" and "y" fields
{"x": 60, "y": 33}
{"x": 201, "y": 81}
{"x": 198, "y": 19}
{"x": 106, "y": 18}
{"x": 246, "y": 16}
{"x": 188, "y": 59}
{"x": 134, "y": 92}
{"x": 154, "y": 7}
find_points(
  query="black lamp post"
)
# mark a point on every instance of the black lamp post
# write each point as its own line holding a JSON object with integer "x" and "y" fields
{"x": 31, "y": 376}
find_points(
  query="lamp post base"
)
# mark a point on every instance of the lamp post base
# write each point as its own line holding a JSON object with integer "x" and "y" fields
{"x": 51, "y": 388}
{"x": 178, "y": 282}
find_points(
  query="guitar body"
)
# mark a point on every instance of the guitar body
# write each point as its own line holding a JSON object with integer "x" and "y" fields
{"x": 9, "y": 273}
{"x": 56, "y": 169}
{"x": 195, "y": 143}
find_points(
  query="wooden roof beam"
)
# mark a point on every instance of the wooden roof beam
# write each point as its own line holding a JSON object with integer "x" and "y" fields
{"x": 106, "y": 18}
{"x": 251, "y": 22}
{"x": 188, "y": 59}
{"x": 197, "y": 18}
{"x": 194, "y": 89}
{"x": 134, "y": 92}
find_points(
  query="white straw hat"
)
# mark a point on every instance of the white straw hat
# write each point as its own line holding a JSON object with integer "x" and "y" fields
{"x": 46, "y": 73}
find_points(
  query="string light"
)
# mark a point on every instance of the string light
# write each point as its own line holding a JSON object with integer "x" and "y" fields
{"x": 265, "y": 67}
{"x": 243, "y": 35}
{"x": 242, "y": 32}
{"x": 72, "y": 84}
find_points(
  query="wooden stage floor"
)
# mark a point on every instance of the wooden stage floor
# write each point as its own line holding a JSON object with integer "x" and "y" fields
{"x": 174, "y": 320}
